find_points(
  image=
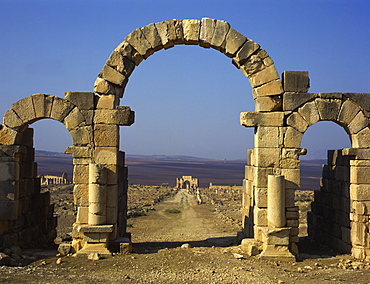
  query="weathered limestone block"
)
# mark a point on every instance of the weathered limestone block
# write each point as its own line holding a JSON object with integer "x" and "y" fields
{"x": 248, "y": 48}
{"x": 296, "y": 121}
{"x": 42, "y": 104}
{"x": 291, "y": 101}
{"x": 363, "y": 99}
{"x": 78, "y": 152}
{"x": 106, "y": 155}
{"x": 292, "y": 178}
{"x": 110, "y": 74}
{"x": 249, "y": 247}
{"x": 81, "y": 174}
{"x": 163, "y": 34}
{"x": 266, "y": 137}
{"x": 309, "y": 113}
{"x": 112, "y": 174}
{"x": 81, "y": 190}
{"x": 359, "y": 153}
{"x": 81, "y": 135}
{"x": 260, "y": 176}
{"x": 140, "y": 43}
{"x": 61, "y": 108}
{"x": 328, "y": 108}
{"x": 121, "y": 63}
{"x": 112, "y": 195}
{"x": 191, "y": 30}
{"x": 360, "y": 175}
{"x": 269, "y": 89}
{"x": 129, "y": 52}
{"x": 106, "y": 135}
{"x": 267, "y": 157}
{"x": 296, "y": 81}
{"x": 73, "y": 119}
{"x": 234, "y": 41}
{"x": 8, "y": 209}
{"x": 112, "y": 214}
{"x": 179, "y": 34}
{"x": 8, "y": 136}
{"x": 361, "y": 139}
{"x": 289, "y": 197}
{"x": 102, "y": 86}
{"x": 25, "y": 110}
{"x": 107, "y": 102}
{"x": 272, "y": 103}
{"x": 12, "y": 120}
{"x": 251, "y": 119}
{"x": 122, "y": 116}
{"x": 358, "y": 233}
{"x": 348, "y": 111}
{"x": 151, "y": 34}
{"x": 252, "y": 65}
{"x": 260, "y": 216}
{"x": 359, "y": 122}
{"x": 260, "y": 196}
{"x": 206, "y": 32}
{"x": 266, "y": 75}
{"x": 82, "y": 215}
{"x": 83, "y": 100}
{"x": 219, "y": 35}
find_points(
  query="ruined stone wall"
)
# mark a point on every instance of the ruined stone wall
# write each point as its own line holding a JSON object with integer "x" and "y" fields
{"x": 329, "y": 218}
{"x": 26, "y": 215}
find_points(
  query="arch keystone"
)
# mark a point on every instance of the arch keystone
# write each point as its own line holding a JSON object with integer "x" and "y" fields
{"x": 42, "y": 104}
{"x": 191, "y": 30}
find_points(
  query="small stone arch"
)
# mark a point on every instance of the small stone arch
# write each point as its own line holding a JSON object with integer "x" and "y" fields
{"x": 247, "y": 55}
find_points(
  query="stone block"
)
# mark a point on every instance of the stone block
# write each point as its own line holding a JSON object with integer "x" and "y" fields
{"x": 8, "y": 171}
{"x": 81, "y": 136}
{"x": 73, "y": 119}
{"x": 191, "y": 30}
{"x": 260, "y": 216}
{"x": 112, "y": 214}
{"x": 291, "y": 101}
{"x": 269, "y": 89}
{"x": 25, "y": 110}
{"x": 8, "y": 209}
{"x": 140, "y": 43}
{"x": 151, "y": 34}
{"x": 292, "y": 137}
{"x": 359, "y": 122}
{"x": 12, "y": 120}
{"x": 309, "y": 113}
{"x": 296, "y": 81}
{"x": 78, "y": 152}
{"x": 260, "y": 196}
{"x": 97, "y": 208}
{"x": 247, "y": 49}
{"x": 121, "y": 63}
{"x": 110, "y": 74}
{"x": 347, "y": 112}
{"x": 251, "y": 119}
{"x": 106, "y": 135}
{"x": 128, "y": 51}
{"x": 267, "y": 157}
{"x": 82, "y": 214}
{"x": 328, "y": 108}
{"x": 175, "y": 31}
{"x": 292, "y": 215}
{"x": 261, "y": 174}
{"x": 296, "y": 121}
{"x": 251, "y": 65}
{"x": 358, "y": 233}
{"x": 125, "y": 248}
{"x": 292, "y": 178}
{"x": 265, "y": 104}
{"x": 102, "y": 86}
{"x": 81, "y": 174}
{"x": 106, "y": 155}
{"x": 249, "y": 247}
{"x": 289, "y": 197}
{"x": 206, "y": 32}
{"x": 42, "y": 104}
{"x": 162, "y": 29}
{"x": 360, "y": 192}
{"x": 122, "y": 116}
{"x": 61, "y": 108}
{"x": 361, "y": 139}
{"x": 8, "y": 136}
{"x": 363, "y": 99}
{"x": 83, "y": 100}
{"x": 107, "y": 102}
{"x": 234, "y": 41}
{"x": 112, "y": 195}
{"x": 264, "y": 76}
{"x": 9, "y": 190}
{"x": 112, "y": 173}
{"x": 266, "y": 137}
{"x": 219, "y": 35}
{"x": 360, "y": 175}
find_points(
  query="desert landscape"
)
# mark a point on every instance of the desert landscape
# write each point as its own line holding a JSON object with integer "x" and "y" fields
{"x": 177, "y": 240}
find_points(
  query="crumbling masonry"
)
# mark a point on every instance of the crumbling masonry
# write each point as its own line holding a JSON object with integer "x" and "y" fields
{"x": 283, "y": 112}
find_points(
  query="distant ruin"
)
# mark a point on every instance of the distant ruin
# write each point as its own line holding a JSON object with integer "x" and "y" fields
{"x": 187, "y": 182}
{"x": 284, "y": 110}
{"x": 48, "y": 179}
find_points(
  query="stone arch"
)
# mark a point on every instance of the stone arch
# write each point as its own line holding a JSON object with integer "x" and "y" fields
{"x": 247, "y": 55}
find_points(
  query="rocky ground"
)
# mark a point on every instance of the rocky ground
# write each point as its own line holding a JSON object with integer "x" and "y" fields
{"x": 177, "y": 240}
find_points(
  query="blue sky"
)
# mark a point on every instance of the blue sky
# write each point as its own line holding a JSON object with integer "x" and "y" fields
{"x": 187, "y": 99}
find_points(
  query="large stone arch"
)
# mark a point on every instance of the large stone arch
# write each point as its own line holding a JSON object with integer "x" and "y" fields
{"x": 247, "y": 55}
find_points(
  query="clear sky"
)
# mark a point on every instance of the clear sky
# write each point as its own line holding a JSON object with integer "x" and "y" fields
{"x": 187, "y": 99}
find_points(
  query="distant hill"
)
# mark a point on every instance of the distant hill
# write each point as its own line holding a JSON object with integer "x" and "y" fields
{"x": 159, "y": 169}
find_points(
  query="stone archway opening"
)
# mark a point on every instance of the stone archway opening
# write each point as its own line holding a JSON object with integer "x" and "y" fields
{"x": 323, "y": 196}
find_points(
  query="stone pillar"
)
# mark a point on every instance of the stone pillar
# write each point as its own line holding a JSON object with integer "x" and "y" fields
{"x": 97, "y": 196}
{"x": 276, "y": 201}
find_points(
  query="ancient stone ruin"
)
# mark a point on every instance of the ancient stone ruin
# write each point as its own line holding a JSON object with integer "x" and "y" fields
{"x": 187, "y": 182}
{"x": 284, "y": 110}
{"x": 48, "y": 179}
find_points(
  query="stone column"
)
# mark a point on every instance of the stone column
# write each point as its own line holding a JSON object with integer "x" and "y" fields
{"x": 276, "y": 201}
{"x": 97, "y": 196}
